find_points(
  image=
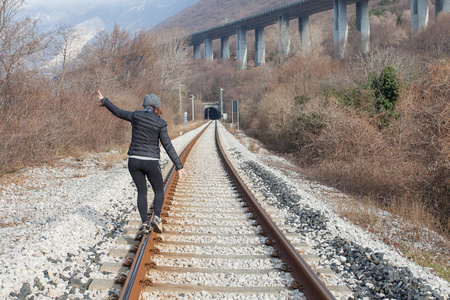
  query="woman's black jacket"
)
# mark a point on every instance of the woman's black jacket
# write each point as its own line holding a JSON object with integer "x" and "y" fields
{"x": 147, "y": 130}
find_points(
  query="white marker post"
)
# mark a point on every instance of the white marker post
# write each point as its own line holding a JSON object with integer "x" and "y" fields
{"x": 237, "y": 109}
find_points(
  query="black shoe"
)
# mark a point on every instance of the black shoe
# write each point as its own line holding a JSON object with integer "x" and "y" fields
{"x": 156, "y": 224}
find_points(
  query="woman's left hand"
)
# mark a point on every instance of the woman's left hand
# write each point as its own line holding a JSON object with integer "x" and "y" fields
{"x": 181, "y": 173}
{"x": 99, "y": 95}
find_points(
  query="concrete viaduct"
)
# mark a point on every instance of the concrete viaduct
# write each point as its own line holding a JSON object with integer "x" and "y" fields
{"x": 300, "y": 10}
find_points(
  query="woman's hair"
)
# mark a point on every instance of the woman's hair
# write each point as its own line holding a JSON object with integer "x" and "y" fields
{"x": 157, "y": 111}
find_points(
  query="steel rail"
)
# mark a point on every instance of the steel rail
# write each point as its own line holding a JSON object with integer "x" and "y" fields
{"x": 136, "y": 276}
{"x": 308, "y": 282}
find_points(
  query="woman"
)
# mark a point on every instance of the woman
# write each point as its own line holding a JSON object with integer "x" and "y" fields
{"x": 147, "y": 130}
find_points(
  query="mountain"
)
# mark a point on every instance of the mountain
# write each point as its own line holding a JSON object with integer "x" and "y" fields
{"x": 133, "y": 15}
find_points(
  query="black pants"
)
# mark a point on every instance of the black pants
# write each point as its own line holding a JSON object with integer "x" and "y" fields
{"x": 139, "y": 169}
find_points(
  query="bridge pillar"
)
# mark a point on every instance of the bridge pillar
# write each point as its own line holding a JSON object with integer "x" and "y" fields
{"x": 224, "y": 48}
{"x": 303, "y": 28}
{"x": 442, "y": 5}
{"x": 340, "y": 27}
{"x": 241, "y": 48}
{"x": 419, "y": 14}
{"x": 208, "y": 48}
{"x": 197, "y": 51}
{"x": 284, "y": 38}
{"x": 363, "y": 23}
{"x": 260, "y": 47}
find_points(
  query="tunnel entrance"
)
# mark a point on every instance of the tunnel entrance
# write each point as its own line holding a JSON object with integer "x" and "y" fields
{"x": 212, "y": 113}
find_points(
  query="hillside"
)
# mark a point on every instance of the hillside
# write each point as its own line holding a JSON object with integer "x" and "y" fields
{"x": 208, "y": 13}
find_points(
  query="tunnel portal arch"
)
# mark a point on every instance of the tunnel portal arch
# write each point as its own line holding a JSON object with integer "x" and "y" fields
{"x": 212, "y": 111}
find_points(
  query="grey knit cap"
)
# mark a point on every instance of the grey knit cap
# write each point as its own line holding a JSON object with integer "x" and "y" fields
{"x": 151, "y": 100}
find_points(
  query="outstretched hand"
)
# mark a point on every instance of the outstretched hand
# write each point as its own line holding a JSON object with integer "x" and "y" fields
{"x": 99, "y": 95}
{"x": 181, "y": 173}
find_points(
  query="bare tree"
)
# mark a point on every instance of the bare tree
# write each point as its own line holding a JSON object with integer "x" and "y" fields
{"x": 8, "y": 11}
{"x": 111, "y": 48}
{"x": 140, "y": 57}
{"x": 380, "y": 57}
{"x": 19, "y": 40}
{"x": 66, "y": 44}
{"x": 172, "y": 46}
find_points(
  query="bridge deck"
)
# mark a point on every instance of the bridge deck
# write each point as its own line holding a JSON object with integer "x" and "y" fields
{"x": 265, "y": 18}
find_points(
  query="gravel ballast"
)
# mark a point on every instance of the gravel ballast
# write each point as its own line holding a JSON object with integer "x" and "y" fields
{"x": 226, "y": 271}
{"x": 59, "y": 222}
{"x": 370, "y": 268}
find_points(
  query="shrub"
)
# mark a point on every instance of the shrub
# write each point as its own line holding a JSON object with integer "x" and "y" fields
{"x": 375, "y": 98}
{"x": 306, "y": 128}
{"x": 388, "y": 2}
{"x": 352, "y": 154}
{"x": 434, "y": 41}
{"x": 424, "y": 133}
{"x": 360, "y": 97}
{"x": 386, "y": 88}
{"x": 377, "y": 11}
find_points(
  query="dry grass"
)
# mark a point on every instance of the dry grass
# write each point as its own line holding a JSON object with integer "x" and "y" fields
{"x": 415, "y": 211}
{"x": 402, "y": 228}
{"x": 252, "y": 144}
{"x": 368, "y": 213}
{"x": 79, "y": 175}
{"x": 405, "y": 224}
{"x": 254, "y": 147}
{"x": 365, "y": 216}
{"x": 112, "y": 157}
{"x": 435, "y": 261}
{"x": 180, "y": 129}
{"x": 5, "y": 225}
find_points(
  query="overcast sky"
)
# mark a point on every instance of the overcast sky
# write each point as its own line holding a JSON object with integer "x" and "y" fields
{"x": 33, "y": 3}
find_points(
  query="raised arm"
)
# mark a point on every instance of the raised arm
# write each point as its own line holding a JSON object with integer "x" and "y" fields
{"x": 120, "y": 113}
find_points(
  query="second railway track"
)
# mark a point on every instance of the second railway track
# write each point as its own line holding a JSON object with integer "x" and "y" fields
{"x": 215, "y": 245}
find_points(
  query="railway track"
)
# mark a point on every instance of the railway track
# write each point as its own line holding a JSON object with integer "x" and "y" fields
{"x": 217, "y": 241}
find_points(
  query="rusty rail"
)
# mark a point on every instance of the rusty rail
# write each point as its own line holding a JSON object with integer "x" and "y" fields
{"x": 304, "y": 277}
{"x": 136, "y": 277}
